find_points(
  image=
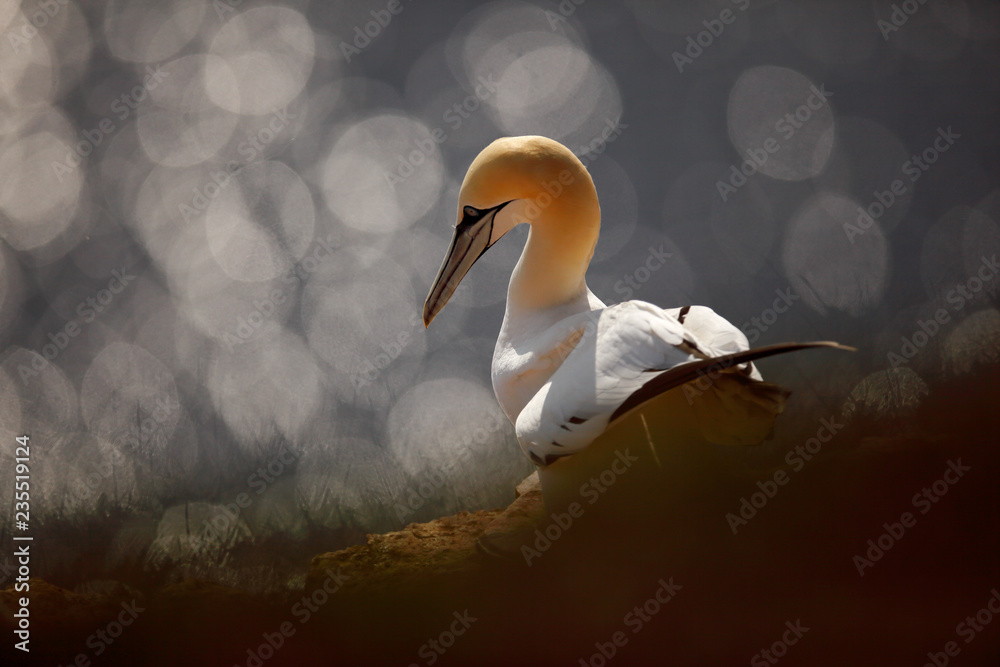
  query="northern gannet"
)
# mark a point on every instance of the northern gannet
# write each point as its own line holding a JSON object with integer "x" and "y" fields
{"x": 567, "y": 368}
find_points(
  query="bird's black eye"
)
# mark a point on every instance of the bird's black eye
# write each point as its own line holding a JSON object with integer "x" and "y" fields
{"x": 471, "y": 212}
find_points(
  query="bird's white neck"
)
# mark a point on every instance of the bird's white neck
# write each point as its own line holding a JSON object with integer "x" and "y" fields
{"x": 548, "y": 284}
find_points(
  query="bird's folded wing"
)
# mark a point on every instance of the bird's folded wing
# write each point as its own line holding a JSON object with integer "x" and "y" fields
{"x": 636, "y": 352}
{"x": 611, "y": 361}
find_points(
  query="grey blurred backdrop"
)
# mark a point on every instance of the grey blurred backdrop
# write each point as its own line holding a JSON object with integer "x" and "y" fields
{"x": 220, "y": 218}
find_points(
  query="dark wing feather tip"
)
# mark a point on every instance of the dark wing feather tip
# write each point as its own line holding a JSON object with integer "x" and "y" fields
{"x": 692, "y": 370}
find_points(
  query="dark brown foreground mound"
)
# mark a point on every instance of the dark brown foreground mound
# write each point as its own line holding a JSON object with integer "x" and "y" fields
{"x": 874, "y": 552}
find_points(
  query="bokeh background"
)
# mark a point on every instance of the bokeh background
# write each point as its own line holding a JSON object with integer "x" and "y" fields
{"x": 220, "y": 218}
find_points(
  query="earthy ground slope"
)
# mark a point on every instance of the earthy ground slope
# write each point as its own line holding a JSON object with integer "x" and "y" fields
{"x": 667, "y": 583}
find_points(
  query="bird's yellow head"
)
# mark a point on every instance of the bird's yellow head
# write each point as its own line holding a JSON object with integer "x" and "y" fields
{"x": 512, "y": 181}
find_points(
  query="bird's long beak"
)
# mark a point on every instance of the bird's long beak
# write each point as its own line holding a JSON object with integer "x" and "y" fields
{"x": 473, "y": 235}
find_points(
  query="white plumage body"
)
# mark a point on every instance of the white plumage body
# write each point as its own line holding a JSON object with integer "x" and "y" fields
{"x": 561, "y": 378}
